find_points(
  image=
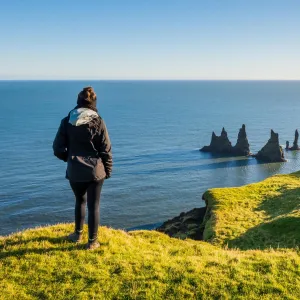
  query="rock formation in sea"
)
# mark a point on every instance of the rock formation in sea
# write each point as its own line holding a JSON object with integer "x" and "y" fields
{"x": 186, "y": 225}
{"x": 219, "y": 144}
{"x": 272, "y": 151}
{"x": 242, "y": 147}
{"x": 222, "y": 145}
{"x": 295, "y": 143}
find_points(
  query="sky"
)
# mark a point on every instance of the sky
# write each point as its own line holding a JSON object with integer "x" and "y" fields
{"x": 150, "y": 39}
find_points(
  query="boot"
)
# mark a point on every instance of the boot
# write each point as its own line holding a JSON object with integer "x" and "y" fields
{"x": 92, "y": 244}
{"x": 75, "y": 237}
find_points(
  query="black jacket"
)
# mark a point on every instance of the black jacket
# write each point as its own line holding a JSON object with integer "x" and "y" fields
{"x": 83, "y": 142}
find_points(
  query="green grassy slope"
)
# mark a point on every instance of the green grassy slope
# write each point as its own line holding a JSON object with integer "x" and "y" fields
{"x": 41, "y": 264}
{"x": 256, "y": 216}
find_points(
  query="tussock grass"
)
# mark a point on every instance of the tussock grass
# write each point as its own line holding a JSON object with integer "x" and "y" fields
{"x": 41, "y": 264}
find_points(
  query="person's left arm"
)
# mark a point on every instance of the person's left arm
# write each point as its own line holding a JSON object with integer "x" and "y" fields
{"x": 60, "y": 143}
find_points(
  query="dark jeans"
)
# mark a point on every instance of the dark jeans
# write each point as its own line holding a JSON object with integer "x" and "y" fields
{"x": 87, "y": 192}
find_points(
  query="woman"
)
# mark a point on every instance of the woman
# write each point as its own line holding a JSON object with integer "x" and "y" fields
{"x": 82, "y": 141}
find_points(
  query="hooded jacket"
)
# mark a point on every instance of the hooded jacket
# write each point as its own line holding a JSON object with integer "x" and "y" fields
{"x": 83, "y": 142}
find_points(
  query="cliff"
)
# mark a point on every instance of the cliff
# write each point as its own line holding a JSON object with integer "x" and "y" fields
{"x": 255, "y": 216}
{"x": 261, "y": 215}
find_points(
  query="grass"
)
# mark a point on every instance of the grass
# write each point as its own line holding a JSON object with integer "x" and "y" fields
{"x": 253, "y": 254}
{"x": 255, "y": 216}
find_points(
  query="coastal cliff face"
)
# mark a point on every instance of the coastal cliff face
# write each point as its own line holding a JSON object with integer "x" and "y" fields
{"x": 255, "y": 216}
{"x": 272, "y": 151}
{"x": 222, "y": 145}
{"x": 186, "y": 225}
{"x": 262, "y": 215}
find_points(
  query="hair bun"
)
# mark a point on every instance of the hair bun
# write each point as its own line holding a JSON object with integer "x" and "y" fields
{"x": 87, "y": 97}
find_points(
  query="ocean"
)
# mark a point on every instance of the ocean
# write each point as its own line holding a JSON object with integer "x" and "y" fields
{"x": 156, "y": 129}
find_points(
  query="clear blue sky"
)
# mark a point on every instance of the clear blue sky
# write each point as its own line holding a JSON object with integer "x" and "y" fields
{"x": 149, "y": 39}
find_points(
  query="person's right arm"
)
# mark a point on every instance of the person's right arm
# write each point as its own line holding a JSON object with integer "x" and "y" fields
{"x": 104, "y": 149}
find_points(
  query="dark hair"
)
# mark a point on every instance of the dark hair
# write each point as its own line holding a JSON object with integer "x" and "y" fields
{"x": 87, "y": 98}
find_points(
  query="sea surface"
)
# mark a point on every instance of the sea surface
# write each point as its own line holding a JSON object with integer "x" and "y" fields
{"x": 156, "y": 129}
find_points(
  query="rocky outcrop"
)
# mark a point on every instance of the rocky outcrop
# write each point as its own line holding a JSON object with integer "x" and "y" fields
{"x": 272, "y": 151}
{"x": 186, "y": 225}
{"x": 295, "y": 143}
{"x": 219, "y": 144}
{"x": 222, "y": 145}
{"x": 242, "y": 147}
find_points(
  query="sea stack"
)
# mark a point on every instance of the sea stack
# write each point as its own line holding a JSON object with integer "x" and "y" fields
{"x": 222, "y": 145}
{"x": 272, "y": 151}
{"x": 219, "y": 144}
{"x": 242, "y": 147}
{"x": 287, "y": 145}
{"x": 295, "y": 143}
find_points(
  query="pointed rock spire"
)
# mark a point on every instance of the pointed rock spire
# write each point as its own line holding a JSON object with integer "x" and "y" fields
{"x": 272, "y": 151}
{"x": 224, "y": 133}
{"x": 295, "y": 143}
{"x": 219, "y": 144}
{"x": 242, "y": 145}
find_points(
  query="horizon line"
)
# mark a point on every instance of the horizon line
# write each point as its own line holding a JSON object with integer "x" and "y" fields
{"x": 93, "y": 79}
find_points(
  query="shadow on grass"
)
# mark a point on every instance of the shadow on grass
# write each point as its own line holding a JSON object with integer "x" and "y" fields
{"x": 23, "y": 241}
{"x": 58, "y": 244}
{"x": 283, "y": 231}
{"x": 280, "y": 233}
{"x": 286, "y": 202}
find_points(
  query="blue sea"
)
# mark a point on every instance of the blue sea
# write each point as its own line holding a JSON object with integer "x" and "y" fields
{"x": 156, "y": 129}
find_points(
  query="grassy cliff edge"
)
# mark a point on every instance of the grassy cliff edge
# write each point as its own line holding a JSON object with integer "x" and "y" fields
{"x": 255, "y": 216}
{"x": 252, "y": 253}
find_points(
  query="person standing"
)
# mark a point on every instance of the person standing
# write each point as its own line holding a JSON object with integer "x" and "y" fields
{"x": 83, "y": 142}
